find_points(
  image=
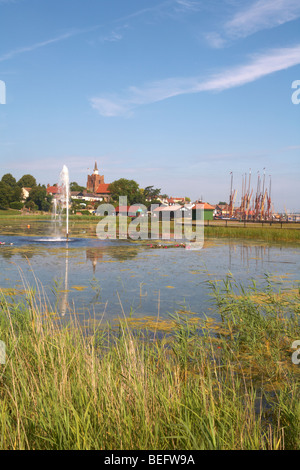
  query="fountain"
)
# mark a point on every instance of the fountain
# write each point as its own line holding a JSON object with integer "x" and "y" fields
{"x": 56, "y": 219}
{"x": 65, "y": 195}
{"x": 60, "y": 203}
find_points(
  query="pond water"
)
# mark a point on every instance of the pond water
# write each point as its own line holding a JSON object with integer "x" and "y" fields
{"x": 108, "y": 279}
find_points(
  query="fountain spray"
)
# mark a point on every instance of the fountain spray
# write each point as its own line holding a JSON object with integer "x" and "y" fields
{"x": 64, "y": 178}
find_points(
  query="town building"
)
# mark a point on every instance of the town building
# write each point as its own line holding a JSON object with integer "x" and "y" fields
{"x": 207, "y": 208}
{"x": 53, "y": 190}
{"x": 97, "y": 186}
{"x": 25, "y": 193}
{"x": 173, "y": 201}
{"x": 173, "y": 210}
{"x": 94, "y": 180}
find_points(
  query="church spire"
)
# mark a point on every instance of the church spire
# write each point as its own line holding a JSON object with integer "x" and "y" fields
{"x": 96, "y": 169}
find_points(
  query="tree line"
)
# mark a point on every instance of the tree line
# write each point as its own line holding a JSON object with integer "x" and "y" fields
{"x": 11, "y": 194}
{"x": 133, "y": 192}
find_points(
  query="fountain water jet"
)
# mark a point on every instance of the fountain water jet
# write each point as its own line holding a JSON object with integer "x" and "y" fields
{"x": 60, "y": 202}
{"x": 65, "y": 195}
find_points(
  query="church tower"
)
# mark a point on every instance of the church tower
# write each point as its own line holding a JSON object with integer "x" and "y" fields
{"x": 96, "y": 172}
{"x": 94, "y": 180}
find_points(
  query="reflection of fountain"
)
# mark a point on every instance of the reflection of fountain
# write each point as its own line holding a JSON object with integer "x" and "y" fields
{"x": 63, "y": 298}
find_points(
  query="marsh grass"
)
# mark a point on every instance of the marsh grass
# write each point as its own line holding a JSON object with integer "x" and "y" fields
{"x": 178, "y": 383}
{"x": 266, "y": 233}
{"x": 85, "y": 226}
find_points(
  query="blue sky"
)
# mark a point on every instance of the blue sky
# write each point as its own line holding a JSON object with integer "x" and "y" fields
{"x": 171, "y": 93}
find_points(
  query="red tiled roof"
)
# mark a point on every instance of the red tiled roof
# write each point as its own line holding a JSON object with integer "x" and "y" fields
{"x": 174, "y": 199}
{"x": 205, "y": 206}
{"x": 53, "y": 189}
{"x": 126, "y": 209}
{"x": 103, "y": 189}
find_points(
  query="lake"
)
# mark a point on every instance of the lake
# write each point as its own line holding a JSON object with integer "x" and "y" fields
{"x": 109, "y": 278}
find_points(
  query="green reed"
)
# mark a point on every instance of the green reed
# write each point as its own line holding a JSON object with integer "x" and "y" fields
{"x": 268, "y": 234}
{"x": 226, "y": 382}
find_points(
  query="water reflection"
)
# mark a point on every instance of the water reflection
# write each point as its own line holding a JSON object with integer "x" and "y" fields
{"x": 260, "y": 255}
{"x": 247, "y": 253}
{"x": 63, "y": 294}
{"x": 94, "y": 255}
{"x": 242, "y": 253}
{"x": 97, "y": 275}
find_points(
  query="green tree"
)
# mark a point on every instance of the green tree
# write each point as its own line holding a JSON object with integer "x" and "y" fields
{"x": 9, "y": 180}
{"x": 151, "y": 194}
{"x": 128, "y": 188}
{"x": 16, "y": 194}
{"x": 9, "y": 191}
{"x": 39, "y": 196}
{"x": 31, "y": 205}
{"x": 4, "y": 195}
{"x": 27, "y": 181}
{"x": 16, "y": 205}
{"x": 76, "y": 187}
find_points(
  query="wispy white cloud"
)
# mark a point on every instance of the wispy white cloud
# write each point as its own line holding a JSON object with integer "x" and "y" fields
{"x": 148, "y": 11}
{"x": 113, "y": 36}
{"x": 258, "y": 16}
{"x": 187, "y": 5}
{"x": 21, "y": 50}
{"x": 215, "y": 40}
{"x": 38, "y": 45}
{"x": 259, "y": 65}
{"x": 116, "y": 32}
{"x": 262, "y": 14}
{"x": 292, "y": 147}
{"x": 166, "y": 8}
{"x": 112, "y": 105}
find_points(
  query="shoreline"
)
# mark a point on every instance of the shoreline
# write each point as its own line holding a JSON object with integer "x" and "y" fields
{"x": 28, "y": 226}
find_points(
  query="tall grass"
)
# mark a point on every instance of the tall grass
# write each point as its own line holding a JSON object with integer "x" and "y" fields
{"x": 289, "y": 233}
{"x": 226, "y": 384}
{"x": 268, "y": 234}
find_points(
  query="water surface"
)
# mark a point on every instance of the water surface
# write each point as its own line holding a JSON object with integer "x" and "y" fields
{"x": 110, "y": 279}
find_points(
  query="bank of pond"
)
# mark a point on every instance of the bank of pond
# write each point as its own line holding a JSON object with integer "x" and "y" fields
{"x": 85, "y": 226}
